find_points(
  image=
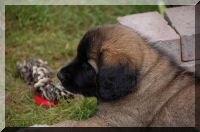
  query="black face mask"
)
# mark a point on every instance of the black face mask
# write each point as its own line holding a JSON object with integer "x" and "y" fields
{"x": 79, "y": 77}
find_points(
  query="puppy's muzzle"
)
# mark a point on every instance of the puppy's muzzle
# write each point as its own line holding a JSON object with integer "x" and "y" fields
{"x": 62, "y": 77}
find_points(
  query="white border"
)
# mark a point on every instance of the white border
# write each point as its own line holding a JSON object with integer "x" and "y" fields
{"x": 98, "y": 2}
{"x": 2, "y": 67}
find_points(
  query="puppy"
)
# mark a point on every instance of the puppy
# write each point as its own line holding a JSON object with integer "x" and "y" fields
{"x": 137, "y": 86}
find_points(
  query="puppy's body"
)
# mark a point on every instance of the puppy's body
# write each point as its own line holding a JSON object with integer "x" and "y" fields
{"x": 162, "y": 94}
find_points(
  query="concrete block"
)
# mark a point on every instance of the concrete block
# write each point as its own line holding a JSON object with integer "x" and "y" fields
{"x": 182, "y": 19}
{"x": 155, "y": 29}
{"x": 192, "y": 66}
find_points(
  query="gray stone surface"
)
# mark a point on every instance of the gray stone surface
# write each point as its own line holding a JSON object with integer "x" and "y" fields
{"x": 156, "y": 31}
{"x": 190, "y": 66}
{"x": 182, "y": 19}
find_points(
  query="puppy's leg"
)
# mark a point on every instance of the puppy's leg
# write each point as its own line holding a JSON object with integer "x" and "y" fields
{"x": 92, "y": 122}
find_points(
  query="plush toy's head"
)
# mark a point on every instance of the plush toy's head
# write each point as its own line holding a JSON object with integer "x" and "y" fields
{"x": 103, "y": 66}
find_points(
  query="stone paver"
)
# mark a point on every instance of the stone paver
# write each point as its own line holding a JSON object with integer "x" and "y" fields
{"x": 182, "y": 19}
{"x": 156, "y": 30}
{"x": 192, "y": 66}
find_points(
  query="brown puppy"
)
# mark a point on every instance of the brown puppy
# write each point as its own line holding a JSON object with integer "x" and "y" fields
{"x": 137, "y": 85}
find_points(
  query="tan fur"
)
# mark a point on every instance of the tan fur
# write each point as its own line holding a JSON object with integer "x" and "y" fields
{"x": 165, "y": 96}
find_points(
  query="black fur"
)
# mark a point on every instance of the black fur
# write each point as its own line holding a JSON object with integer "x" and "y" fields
{"x": 115, "y": 81}
{"x": 93, "y": 38}
{"x": 78, "y": 77}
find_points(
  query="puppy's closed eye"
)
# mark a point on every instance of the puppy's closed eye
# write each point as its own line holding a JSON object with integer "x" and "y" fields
{"x": 93, "y": 64}
{"x": 89, "y": 71}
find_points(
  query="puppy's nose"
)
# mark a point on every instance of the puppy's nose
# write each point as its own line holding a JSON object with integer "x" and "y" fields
{"x": 60, "y": 76}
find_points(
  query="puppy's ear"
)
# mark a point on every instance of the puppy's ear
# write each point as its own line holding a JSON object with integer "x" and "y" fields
{"x": 116, "y": 77}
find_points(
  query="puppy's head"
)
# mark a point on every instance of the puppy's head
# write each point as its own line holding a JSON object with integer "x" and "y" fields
{"x": 99, "y": 69}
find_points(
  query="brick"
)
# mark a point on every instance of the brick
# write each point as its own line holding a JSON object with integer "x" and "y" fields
{"x": 152, "y": 27}
{"x": 182, "y": 19}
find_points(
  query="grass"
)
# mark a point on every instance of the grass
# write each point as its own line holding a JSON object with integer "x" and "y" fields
{"x": 51, "y": 33}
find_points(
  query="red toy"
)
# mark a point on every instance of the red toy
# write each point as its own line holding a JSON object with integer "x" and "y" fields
{"x": 44, "y": 102}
